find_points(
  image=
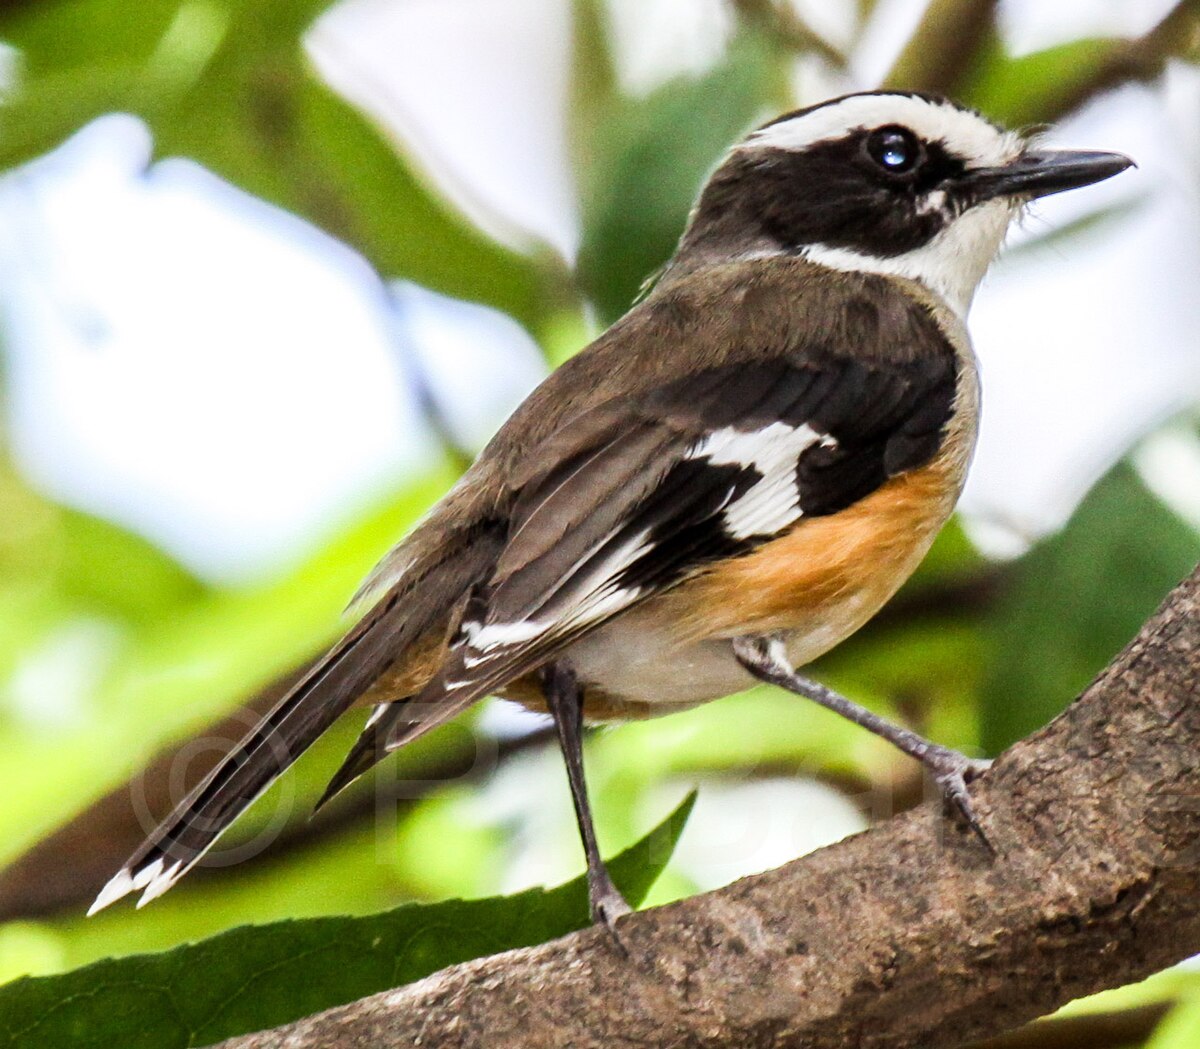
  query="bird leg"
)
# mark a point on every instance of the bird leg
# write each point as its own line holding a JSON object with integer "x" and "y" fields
{"x": 564, "y": 697}
{"x": 766, "y": 659}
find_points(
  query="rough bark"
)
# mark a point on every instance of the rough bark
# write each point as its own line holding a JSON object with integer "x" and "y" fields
{"x": 910, "y": 934}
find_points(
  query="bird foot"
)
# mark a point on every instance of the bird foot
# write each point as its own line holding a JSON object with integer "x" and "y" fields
{"x": 952, "y": 772}
{"x": 607, "y": 905}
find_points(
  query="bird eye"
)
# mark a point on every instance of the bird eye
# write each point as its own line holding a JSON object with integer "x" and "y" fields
{"x": 895, "y": 149}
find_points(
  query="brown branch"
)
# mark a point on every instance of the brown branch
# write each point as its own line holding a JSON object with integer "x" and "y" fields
{"x": 943, "y": 49}
{"x": 781, "y": 22}
{"x": 1177, "y": 34}
{"x": 909, "y": 934}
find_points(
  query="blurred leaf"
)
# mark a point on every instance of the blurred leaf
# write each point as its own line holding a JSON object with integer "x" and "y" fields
{"x": 26, "y": 948}
{"x": 944, "y": 47}
{"x": 762, "y": 728}
{"x": 226, "y": 83}
{"x": 179, "y": 673}
{"x": 927, "y": 674}
{"x": 1181, "y": 1028}
{"x": 638, "y": 193}
{"x": 1019, "y": 91}
{"x": 441, "y": 849}
{"x": 952, "y": 558}
{"x": 1076, "y": 599}
{"x": 103, "y": 567}
{"x": 262, "y": 976}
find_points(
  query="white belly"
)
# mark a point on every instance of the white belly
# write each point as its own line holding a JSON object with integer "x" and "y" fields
{"x": 639, "y": 661}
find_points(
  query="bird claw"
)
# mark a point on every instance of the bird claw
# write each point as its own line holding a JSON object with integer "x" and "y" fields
{"x": 952, "y": 772}
{"x": 607, "y": 906}
{"x": 607, "y": 903}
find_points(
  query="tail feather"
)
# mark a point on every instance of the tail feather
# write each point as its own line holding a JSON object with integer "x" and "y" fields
{"x": 391, "y": 726}
{"x": 369, "y": 749}
{"x": 180, "y": 841}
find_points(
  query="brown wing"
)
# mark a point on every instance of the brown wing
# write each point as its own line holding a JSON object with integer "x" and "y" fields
{"x": 630, "y": 499}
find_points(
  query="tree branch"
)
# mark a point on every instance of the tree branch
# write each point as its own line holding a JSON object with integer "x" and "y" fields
{"x": 1177, "y": 34}
{"x": 783, "y": 22}
{"x": 909, "y": 934}
{"x": 944, "y": 47}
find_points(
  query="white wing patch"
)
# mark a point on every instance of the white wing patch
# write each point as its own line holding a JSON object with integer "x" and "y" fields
{"x": 768, "y": 506}
{"x": 600, "y": 598}
{"x": 772, "y": 503}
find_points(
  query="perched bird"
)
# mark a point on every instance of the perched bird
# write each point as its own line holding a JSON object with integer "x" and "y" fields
{"x": 728, "y": 482}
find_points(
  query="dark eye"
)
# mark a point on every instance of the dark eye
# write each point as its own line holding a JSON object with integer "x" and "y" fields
{"x": 895, "y": 149}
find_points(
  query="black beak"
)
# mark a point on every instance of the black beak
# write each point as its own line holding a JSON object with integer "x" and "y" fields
{"x": 1038, "y": 173}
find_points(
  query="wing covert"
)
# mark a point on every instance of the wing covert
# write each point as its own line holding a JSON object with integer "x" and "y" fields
{"x": 631, "y": 498}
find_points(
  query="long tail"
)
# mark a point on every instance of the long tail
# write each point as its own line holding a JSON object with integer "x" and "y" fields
{"x": 369, "y": 749}
{"x": 256, "y": 762}
{"x": 391, "y": 726}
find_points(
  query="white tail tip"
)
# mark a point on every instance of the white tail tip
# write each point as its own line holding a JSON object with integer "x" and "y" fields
{"x": 119, "y": 885}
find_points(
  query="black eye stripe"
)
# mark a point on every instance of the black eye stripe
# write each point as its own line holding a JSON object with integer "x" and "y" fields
{"x": 835, "y": 193}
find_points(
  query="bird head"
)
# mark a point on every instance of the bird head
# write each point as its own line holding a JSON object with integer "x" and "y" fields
{"x": 891, "y": 182}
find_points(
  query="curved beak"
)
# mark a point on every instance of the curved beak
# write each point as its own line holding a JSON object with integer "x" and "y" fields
{"x": 1038, "y": 173}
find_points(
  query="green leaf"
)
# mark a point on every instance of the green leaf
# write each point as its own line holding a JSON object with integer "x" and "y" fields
{"x": 952, "y": 559}
{"x": 173, "y": 676}
{"x": 638, "y": 193}
{"x": 1160, "y": 989}
{"x": 1180, "y": 1029}
{"x": 1076, "y": 599}
{"x": 258, "y": 977}
{"x": 1021, "y": 91}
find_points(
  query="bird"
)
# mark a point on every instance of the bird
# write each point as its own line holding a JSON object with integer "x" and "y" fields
{"x": 724, "y": 485}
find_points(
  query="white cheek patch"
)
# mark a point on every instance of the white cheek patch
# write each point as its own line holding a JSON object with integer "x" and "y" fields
{"x": 951, "y": 264}
{"x": 773, "y": 502}
{"x": 979, "y": 142}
